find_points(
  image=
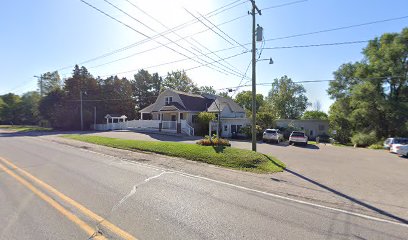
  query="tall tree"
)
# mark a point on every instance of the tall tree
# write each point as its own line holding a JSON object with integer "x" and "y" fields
{"x": 146, "y": 88}
{"x": 49, "y": 81}
{"x": 376, "y": 88}
{"x": 287, "y": 99}
{"x": 178, "y": 80}
{"x": 244, "y": 99}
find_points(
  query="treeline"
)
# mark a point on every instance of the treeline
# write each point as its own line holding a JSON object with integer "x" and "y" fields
{"x": 59, "y": 107}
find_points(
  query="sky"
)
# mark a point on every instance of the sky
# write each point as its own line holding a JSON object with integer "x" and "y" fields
{"x": 48, "y": 35}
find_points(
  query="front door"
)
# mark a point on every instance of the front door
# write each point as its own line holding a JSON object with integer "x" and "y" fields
{"x": 173, "y": 118}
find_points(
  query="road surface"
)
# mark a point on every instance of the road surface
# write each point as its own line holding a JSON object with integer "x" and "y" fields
{"x": 54, "y": 191}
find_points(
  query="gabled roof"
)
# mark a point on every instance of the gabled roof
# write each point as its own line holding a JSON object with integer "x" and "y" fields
{"x": 221, "y": 103}
{"x": 196, "y": 103}
{"x": 174, "y": 106}
{"x": 114, "y": 115}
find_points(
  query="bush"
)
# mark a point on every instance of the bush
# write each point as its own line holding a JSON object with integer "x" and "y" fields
{"x": 213, "y": 141}
{"x": 363, "y": 139}
{"x": 376, "y": 146}
{"x": 247, "y": 130}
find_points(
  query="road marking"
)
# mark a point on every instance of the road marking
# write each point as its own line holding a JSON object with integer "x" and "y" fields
{"x": 121, "y": 233}
{"x": 364, "y": 216}
{"x": 88, "y": 229}
{"x": 146, "y": 165}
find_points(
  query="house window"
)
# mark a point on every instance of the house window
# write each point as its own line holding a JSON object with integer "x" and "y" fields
{"x": 194, "y": 118}
{"x": 225, "y": 128}
{"x": 216, "y": 116}
{"x": 159, "y": 116}
{"x": 321, "y": 127}
{"x": 168, "y": 100}
{"x": 181, "y": 116}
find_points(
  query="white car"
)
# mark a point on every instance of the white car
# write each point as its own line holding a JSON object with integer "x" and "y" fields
{"x": 298, "y": 137}
{"x": 403, "y": 150}
{"x": 272, "y": 135}
{"x": 390, "y": 141}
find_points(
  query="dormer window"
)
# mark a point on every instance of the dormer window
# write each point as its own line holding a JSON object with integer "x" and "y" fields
{"x": 168, "y": 100}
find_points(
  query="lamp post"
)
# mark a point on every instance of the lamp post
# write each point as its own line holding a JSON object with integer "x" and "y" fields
{"x": 82, "y": 120}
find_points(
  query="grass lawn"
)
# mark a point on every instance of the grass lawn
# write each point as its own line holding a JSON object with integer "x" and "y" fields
{"x": 225, "y": 156}
{"x": 24, "y": 128}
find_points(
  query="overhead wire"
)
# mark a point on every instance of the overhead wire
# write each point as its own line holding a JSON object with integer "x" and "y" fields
{"x": 143, "y": 34}
{"x": 178, "y": 27}
{"x": 236, "y": 70}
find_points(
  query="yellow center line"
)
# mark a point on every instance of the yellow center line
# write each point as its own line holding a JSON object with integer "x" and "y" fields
{"x": 88, "y": 229}
{"x": 105, "y": 223}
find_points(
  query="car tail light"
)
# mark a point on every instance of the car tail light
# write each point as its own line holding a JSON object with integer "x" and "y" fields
{"x": 397, "y": 147}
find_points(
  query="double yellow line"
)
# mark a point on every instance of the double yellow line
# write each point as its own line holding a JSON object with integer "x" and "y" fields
{"x": 72, "y": 217}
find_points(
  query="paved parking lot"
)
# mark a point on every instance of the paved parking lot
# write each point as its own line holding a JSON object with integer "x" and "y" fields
{"x": 369, "y": 179}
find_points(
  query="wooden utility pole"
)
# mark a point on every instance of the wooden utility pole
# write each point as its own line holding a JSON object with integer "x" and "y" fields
{"x": 253, "y": 12}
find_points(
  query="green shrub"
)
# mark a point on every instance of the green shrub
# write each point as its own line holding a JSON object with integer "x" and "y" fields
{"x": 363, "y": 139}
{"x": 376, "y": 146}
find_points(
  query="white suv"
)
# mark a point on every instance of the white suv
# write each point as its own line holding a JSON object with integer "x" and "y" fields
{"x": 298, "y": 137}
{"x": 272, "y": 135}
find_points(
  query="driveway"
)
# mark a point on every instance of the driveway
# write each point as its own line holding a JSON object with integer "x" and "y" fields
{"x": 373, "y": 180}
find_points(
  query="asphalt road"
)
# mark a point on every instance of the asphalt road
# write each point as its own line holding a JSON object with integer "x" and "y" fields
{"x": 148, "y": 202}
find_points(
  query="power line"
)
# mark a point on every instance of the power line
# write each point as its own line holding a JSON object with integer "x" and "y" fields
{"x": 339, "y": 28}
{"x": 307, "y": 81}
{"x": 143, "y": 34}
{"x": 179, "y": 27}
{"x": 176, "y": 28}
{"x": 317, "y": 45}
{"x": 185, "y": 39}
{"x": 283, "y": 5}
{"x": 195, "y": 67}
{"x": 219, "y": 29}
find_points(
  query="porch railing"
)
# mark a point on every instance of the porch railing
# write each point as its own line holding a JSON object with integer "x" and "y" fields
{"x": 186, "y": 128}
{"x": 169, "y": 125}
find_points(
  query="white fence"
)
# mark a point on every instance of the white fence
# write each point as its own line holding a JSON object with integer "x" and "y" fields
{"x": 146, "y": 124}
{"x": 143, "y": 124}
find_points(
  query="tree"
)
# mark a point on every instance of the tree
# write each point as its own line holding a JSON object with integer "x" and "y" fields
{"x": 315, "y": 115}
{"x": 49, "y": 81}
{"x": 179, "y": 80}
{"x": 10, "y": 112}
{"x": 204, "y": 118}
{"x": 265, "y": 120}
{"x": 287, "y": 100}
{"x": 244, "y": 99}
{"x": 207, "y": 90}
{"x": 146, "y": 88}
{"x": 28, "y": 108}
{"x": 374, "y": 91}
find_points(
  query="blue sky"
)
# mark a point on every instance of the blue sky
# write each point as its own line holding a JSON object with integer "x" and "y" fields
{"x": 45, "y": 35}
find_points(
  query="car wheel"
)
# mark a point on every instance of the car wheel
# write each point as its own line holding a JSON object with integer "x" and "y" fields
{"x": 277, "y": 141}
{"x": 290, "y": 143}
{"x": 263, "y": 140}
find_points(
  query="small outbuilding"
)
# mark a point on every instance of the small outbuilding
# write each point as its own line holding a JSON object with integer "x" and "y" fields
{"x": 112, "y": 117}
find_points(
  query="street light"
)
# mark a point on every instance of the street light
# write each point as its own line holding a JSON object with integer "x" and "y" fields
{"x": 82, "y": 120}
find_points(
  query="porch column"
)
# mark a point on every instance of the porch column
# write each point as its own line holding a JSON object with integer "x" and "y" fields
{"x": 141, "y": 116}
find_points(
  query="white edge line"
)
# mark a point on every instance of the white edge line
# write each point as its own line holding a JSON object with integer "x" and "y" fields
{"x": 245, "y": 188}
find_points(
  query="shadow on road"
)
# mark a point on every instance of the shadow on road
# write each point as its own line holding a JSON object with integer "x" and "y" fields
{"x": 343, "y": 195}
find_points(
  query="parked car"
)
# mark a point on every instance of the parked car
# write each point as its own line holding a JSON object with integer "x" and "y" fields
{"x": 298, "y": 137}
{"x": 272, "y": 135}
{"x": 396, "y": 146}
{"x": 390, "y": 141}
{"x": 403, "y": 150}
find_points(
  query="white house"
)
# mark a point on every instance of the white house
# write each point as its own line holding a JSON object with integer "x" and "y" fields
{"x": 179, "y": 110}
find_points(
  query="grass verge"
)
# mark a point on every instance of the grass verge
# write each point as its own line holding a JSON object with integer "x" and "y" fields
{"x": 24, "y": 128}
{"x": 221, "y": 156}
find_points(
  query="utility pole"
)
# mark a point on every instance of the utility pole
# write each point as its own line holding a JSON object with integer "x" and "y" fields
{"x": 82, "y": 122}
{"x": 253, "y": 12}
{"x": 94, "y": 116}
{"x": 41, "y": 83}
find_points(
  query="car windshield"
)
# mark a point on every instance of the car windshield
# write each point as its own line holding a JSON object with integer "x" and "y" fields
{"x": 297, "y": 134}
{"x": 270, "y": 131}
{"x": 401, "y": 141}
